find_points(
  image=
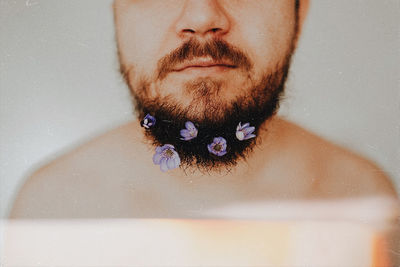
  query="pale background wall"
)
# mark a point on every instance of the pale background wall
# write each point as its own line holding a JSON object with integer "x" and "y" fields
{"x": 59, "y": 81}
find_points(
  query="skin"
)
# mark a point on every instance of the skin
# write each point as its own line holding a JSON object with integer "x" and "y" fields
{"x": 113, "y": 175}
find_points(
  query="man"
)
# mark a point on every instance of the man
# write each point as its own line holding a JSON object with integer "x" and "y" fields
{"x": 206, "y": 77}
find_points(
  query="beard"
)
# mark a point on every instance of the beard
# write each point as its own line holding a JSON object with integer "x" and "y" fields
{"x": 211, "y": 114}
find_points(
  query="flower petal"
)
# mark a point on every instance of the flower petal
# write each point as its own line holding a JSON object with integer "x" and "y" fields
{"x": 163, "y": 165}
{"x": 223, "y": 147}
{"x": 249, "y": 136}
{"x": 219, "y": 140}
{"x": 245, "y": 125}
{"x": 239, "y": 126}
{"x": 248, "y": 130}
{"x": 177, "y": 161}
{"x": 168, "y": 146}
{"x": 190, "y": 126}
{"x": 240, "y": 135}
{"x": 185, "y": 133}
{"x": 220, "y": 153}
{"x": 171, "y": 164}
{"x": 210, "y": 148}
{"x": 157, "y": 158}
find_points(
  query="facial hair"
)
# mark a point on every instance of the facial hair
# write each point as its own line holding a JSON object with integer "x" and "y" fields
{"x": 219, "y": 119}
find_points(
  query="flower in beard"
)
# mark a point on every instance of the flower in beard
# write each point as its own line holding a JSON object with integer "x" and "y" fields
{"x": 190, "y": 132}
{"x": 166, "y": 157}
{"x": 148, "y": 121}
{"x": 218, "y": 146}
{"x": 244, "y": 132}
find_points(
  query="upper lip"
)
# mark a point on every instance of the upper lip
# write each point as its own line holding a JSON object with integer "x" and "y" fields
{"x": 203, "y": 62}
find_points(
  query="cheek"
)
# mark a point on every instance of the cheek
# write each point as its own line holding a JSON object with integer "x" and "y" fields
{"x": 269, "y": 38}
{"x": 140, "y": 37}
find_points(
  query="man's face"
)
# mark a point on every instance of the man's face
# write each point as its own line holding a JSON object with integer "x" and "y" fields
{"x": 202, "y": 54}
{"x": 218, "y": 64}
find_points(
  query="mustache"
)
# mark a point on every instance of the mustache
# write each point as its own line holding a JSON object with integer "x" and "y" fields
{"x": 216, "y": 49}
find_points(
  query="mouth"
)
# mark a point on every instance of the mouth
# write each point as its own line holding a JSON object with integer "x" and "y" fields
{"x": 205, "y": 64}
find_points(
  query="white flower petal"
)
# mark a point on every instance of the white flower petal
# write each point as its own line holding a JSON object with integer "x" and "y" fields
{"x": 240, "y": 135}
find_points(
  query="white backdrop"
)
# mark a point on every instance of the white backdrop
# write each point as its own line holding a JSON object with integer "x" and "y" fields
{"x": 60, "y": 86}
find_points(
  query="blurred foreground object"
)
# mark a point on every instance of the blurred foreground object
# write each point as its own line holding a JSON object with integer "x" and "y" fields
{"x": 313, "y": 240}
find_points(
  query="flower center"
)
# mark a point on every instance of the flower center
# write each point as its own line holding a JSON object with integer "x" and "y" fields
{"x": 169, "y": 153}
{"x": 218, "y": 147}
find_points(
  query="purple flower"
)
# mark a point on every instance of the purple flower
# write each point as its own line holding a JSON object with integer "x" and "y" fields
{"x": 166, "y": 157}
{"x": 244, "y": 132}
{"x": 190, "y": 132}
{"x": 218, "y": 146}
{"x": 148, "y": 121}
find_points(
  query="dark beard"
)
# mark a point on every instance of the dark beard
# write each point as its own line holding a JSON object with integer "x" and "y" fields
{"x": 260, "y": 104}
{"x": 219, "y": 118}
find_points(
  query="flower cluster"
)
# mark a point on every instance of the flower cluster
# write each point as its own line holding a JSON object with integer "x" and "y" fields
{"x": 169, "y": 159}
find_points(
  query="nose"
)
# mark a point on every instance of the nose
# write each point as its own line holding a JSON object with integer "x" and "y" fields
{"x": 202, "y": 18}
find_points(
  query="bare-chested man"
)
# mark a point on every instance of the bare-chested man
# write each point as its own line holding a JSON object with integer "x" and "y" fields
{"x": 206, "y": 77}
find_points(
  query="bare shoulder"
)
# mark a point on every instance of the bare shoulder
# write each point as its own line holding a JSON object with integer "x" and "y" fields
{"x": 85, "y": 182}
{"x": 111, "y": 177}
{"x": 336, "y": 171}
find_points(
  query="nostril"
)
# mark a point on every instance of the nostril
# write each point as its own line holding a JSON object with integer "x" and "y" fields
{"x": 215, "y": 29}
